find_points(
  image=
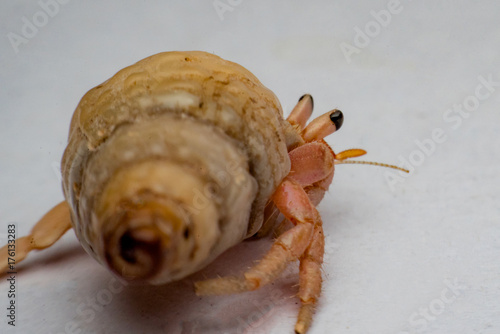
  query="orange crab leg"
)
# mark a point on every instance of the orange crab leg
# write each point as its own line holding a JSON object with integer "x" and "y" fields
{"x": 291, "y": 199}
{"x": 44, "y": 234}
{"x": 294, "y": 203}
{"x": 312, "y": 166}
{"x": 288, "y": 247}
{"x": 310, "y": 279}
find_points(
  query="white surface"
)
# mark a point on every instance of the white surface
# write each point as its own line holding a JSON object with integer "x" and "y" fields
{"x": 390, "y": 252}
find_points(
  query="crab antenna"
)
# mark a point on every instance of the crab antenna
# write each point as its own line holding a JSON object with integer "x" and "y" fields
{"x": 338, "y": 162}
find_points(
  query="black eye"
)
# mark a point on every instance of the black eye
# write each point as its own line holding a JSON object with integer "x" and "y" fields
{"x": 337, "y": 118}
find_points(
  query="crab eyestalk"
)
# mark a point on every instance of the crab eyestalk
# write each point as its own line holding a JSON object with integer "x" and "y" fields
{"x": 323, "y": 125}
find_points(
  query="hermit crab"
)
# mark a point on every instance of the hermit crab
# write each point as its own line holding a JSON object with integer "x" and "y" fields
{"x": 181, "y": 156}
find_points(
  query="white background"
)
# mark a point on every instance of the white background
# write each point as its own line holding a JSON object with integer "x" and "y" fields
{"x": 392, "y": 251}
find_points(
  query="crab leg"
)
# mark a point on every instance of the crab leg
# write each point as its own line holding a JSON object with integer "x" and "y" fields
{"x": 287, "y": 247}
{"x": 312, "y": 167}
{"x": 304, "y": 241}
{"x": 310, "y": 279}
{"x": 44, "y": 234}
{"x": 271, "y": 217}
{"x": 311, "y": 260}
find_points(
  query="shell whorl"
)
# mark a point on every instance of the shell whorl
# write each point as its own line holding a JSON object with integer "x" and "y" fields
{"x": 177, "y": 136}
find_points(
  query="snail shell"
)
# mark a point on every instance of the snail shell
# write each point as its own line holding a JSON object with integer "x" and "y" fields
{"x": 171, "y": 161}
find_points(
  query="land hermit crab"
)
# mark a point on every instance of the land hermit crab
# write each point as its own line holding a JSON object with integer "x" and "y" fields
{"x": 181, "y": 156}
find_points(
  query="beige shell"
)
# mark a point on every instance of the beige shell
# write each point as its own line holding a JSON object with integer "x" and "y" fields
{"x": 184, "y": 144}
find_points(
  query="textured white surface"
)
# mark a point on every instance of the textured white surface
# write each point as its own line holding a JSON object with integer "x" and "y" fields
{"x": 391, "y": 252}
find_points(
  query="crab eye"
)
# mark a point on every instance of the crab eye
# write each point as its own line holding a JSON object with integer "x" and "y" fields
{"x": 337, "y": 118}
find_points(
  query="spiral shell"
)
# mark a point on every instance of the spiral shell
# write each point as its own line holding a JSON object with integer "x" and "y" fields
{"x": 172, "y": 161}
